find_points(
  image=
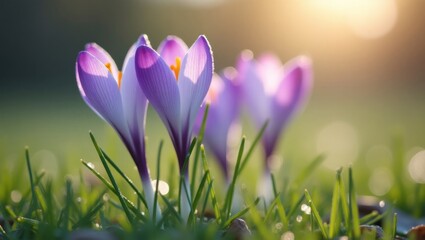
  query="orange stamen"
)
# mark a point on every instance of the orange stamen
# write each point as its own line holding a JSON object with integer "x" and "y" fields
{"x": 119, "y": 78}
{"x": 176, "y": 67}
{"x": 108, "y": 66}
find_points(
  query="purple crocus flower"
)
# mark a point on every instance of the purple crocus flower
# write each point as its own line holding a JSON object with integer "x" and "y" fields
{"x": 118, "y": 99}
{"x": 223, "y": 100}
{"x": 274, "y": 92}
{"x": 175, "y": 80}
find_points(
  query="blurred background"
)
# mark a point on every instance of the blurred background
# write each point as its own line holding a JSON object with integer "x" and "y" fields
{"x": 368, "y": 58}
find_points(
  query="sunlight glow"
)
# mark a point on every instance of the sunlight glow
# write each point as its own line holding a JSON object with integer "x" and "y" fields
{"x": 367, "y": 18}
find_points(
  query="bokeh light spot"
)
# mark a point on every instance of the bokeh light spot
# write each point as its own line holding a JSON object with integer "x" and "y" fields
{"x": 340, "y": 143}
{"x": 163, "y": 187}
{"x": 417, "y": 167}
{"x": 381, "y": 181}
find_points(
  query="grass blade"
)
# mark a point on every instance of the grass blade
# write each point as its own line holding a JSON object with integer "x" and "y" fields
{"x": 133, "y": 208}
{"x": 126, "y": 178}
{"x": 251, "y": 149}
{"x": 230, "y": 191}
{"x": 3, "y": 233}
{"x": 33, "y": 203}
{"x": 394, "y": 227}
{"x": 344, "y": 203}
{"x": 261, "y": 226}
{"x": 198, "y": 148}
{"x": 334, "y": 221}
{"x": 354, "y": 212}
{"x": 241, "y": 213}
{"x": 158, "y": 168}
{"x": 198, "y": 196}
{"x": 111, "y": 177}
{"x": 282, "y": 214}
{"x": 296, "y": 206}
{"x": 212, "y": 191}
{"x": 316, "y": 215}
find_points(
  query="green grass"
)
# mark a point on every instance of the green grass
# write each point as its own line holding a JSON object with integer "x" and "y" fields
{"x": 44, "y": 211}
{"x": 49, "y": 197}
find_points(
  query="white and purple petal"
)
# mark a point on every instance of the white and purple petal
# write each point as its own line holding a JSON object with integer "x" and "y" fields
{"x": 256, "y": 100}
{"x": 100, "y": 90}
{"x": 103, "y": 56}
{"x": 296, "y": 83}
{"x": 194, "y": 80}
{"x": 133, "y": 99}
{"x": 160, "y": 88}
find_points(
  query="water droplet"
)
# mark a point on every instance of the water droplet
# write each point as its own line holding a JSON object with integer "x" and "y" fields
{"x": 306, "y": 209}
{"x": 299, "y": 218}
{"x": 287, "y": 236}
{"x": 278, "y": 226}
{"x": 105, "y": 197}
{"x": 91, "y": 165}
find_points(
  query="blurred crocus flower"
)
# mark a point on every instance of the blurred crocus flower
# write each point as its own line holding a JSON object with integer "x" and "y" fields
{"x": 223, "y": 99}
{"x": 118, "y": 99}
{"x": 274, "y": 92}
{"x": 175, "y": 80}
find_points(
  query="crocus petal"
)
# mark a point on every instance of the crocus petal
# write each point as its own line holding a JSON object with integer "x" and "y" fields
{"x": 296, "y": 83}
{"x": 294, "y": 87}
{"x": 270, "y": 69}
{"x": 160, "y": 87}
{"x": 100, "y": 90}
{"x": 257, "y": 102}
{"x": 142, "y": 40}
{"x": 103, "y": 56}
{"x": 223, "y": 112}
{"x": 171, "y": 48}
{"x": 133, "y": 99}
{"x": 194, "y": 80}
